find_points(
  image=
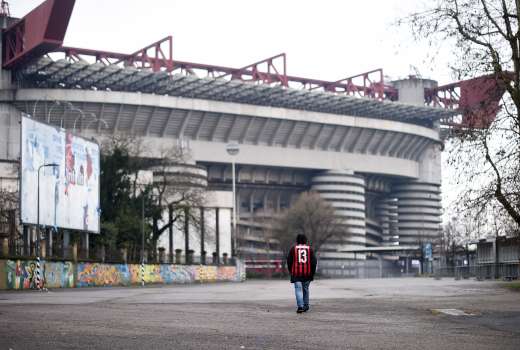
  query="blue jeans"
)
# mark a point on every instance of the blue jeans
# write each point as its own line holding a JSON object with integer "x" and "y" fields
{"x": 301, "y": 289}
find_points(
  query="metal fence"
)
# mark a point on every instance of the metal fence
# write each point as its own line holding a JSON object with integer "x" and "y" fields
{"x": 107, "y": 255}
{"x": 507, "y": 271}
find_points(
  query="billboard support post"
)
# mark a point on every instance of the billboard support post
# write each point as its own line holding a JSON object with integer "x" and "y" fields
{"x": 142, "y": 239}
{"x": 142, "y": 228}
{"x": 38, "y": 231}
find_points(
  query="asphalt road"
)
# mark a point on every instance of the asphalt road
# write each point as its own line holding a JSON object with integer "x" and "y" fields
{"x": 345, "y": 314}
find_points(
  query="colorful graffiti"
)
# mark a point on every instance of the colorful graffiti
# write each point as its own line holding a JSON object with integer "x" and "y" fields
{"x": 241, "y": 271}
{"x": 152, "y": 273}
{"x": 20, "y": 274}
{"x": 206, "y": 274}
{"x": 97, "y": 274}
{"x": 163, "y": 273}
{"x": 59, "y": 274}
{"x": 177, "y": 273}
{"x": 227, "y": 273}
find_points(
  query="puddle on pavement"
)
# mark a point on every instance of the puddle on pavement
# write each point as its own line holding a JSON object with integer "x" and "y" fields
{"x": 453, "y": 312}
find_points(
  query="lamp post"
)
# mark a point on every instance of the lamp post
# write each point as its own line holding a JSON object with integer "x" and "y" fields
{"x": 34, "y": 107}
{"x": 96, "y": 119}
{"x": 82, "y": 115}
{"x": 38, "y": 233}
{"x": 143, "y": 179}
{"x": 233, "y": 149}
{"x": 142, "y": 227}
{"x": 55, "y": 103}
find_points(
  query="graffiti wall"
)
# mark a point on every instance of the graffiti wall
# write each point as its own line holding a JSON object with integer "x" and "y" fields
{"x": 59, "y": 274}
{"x": 226, "y": 273}
{"x": 178, "y": 273}
{"x": 20, "y": 274}
{"x": 3, "y": 281}
{"x": 207, "y": 274}
{"x": 98, "y": 274}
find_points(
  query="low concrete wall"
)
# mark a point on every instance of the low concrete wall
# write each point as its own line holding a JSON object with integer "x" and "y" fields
{"x": 20, "y": 274}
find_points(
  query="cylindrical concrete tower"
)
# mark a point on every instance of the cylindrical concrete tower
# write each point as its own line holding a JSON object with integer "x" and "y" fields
{"x": 345, "y": 191}
{"x": 387, "y": 213}
{"x": 419, "y": 210}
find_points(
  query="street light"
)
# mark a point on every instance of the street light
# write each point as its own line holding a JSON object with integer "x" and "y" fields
{"x": 233, "y": 149}
{"x": 38, "y": 232}
{"x": 82, "y": 115}
{"x": 34, "y": 107}
{"x": 143, "y": 179}
{"x": 96, "y": 119}
{"x": 55, "y": 103}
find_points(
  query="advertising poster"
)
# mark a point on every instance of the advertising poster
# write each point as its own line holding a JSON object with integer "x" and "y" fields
{"x": 69, "y": 191}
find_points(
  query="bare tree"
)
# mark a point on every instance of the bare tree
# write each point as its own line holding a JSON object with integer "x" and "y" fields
{"x": 312, "y": 216}
{"x": 9, "y": 207}
{"x": 166, "y": 187}
{"x": 485, "y": 36}
{"x": 178, "y": 192}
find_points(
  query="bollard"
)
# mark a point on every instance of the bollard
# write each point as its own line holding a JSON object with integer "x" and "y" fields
{"x": 124, "y": 255}
{"x": 43, "y": 249}
{"x": 178, "y": 253}
{"x": 225, "y": 258}
{"x": 161, "y": 255}
{"x": 75, "y": 252}
{"x": 5, "y": 247}
{"x": 142, "y": 274}
{"x": 38, "y": 285}
{"x": 189, "y": 257}
{"x": 203, "y": 257}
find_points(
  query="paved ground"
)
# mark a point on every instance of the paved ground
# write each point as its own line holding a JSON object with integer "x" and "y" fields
{"x": 346, "y": 314}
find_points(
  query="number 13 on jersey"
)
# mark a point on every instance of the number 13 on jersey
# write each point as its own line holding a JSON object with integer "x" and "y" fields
{"x": 302, "y": 255}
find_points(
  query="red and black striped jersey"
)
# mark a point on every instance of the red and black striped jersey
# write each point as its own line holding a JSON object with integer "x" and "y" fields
{"x": 301, "y": 261}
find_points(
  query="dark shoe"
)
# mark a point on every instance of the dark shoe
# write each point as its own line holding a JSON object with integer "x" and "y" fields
{"x": 300, "y": 310}
{"x": 306, "y": 308}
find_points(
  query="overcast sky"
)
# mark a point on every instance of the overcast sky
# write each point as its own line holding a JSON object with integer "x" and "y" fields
{"x": 324, "y": 39}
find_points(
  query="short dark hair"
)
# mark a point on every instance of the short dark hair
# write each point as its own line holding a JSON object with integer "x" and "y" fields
{"x": 301, "y": 239}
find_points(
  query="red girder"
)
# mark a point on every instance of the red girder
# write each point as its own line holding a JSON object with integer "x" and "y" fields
{"x": 39, "y": 32}
{"x": 446, "y": 96}
{"x": 268, "y": 71}
{"x": 372, "y": 85}
{"x": 478, "y": 99}
{"x": 42, "y": 31}
{"x": 142, "y": 59}
{"x": 253, "y": 70}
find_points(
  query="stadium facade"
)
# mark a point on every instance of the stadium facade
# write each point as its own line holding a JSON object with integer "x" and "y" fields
{"x": 376, "y": 157}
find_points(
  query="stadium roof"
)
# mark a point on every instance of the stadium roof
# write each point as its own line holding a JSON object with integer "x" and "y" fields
{"x": 62, "y": 73}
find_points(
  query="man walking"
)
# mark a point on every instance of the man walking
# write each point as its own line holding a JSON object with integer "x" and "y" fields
{"x": 301, "y": 263}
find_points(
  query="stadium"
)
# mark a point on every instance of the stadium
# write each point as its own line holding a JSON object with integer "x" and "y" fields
{"x": 371, "y": 148}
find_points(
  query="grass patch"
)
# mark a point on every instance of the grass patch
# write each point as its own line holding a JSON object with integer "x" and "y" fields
{"x": 512, "y": 286}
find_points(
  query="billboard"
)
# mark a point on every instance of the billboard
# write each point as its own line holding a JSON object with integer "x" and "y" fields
{"x": 69, "y": 192}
